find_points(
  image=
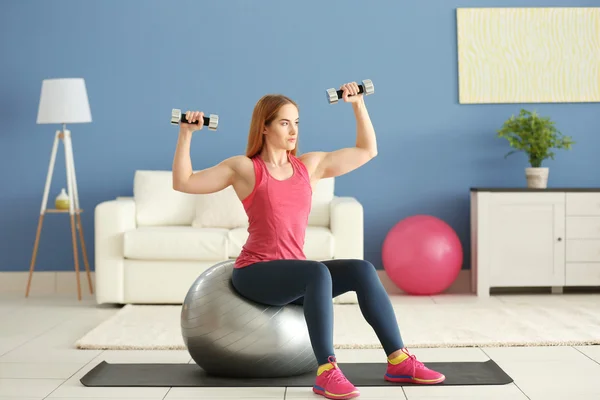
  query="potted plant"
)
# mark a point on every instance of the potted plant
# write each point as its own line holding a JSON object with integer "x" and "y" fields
{"x": 536, "y": 136}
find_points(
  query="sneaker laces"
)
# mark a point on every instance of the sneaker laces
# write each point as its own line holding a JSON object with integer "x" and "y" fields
{"x": 335, "y": 374}
{"x": 414, "y": 359}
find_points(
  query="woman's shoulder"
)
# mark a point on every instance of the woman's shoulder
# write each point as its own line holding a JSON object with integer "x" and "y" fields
{"x": 239, "y": 161}
{"x": 241, "y": 164}
{"x": 310, "y": 161}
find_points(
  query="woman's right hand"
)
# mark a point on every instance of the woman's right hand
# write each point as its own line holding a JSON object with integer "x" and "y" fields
{"x": 193, "y": 117}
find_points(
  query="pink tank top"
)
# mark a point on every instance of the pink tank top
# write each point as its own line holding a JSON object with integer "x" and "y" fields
{"x": 277, "y": 214}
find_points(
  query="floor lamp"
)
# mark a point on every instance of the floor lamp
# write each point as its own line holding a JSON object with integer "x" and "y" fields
{"x": 63, "y": 101}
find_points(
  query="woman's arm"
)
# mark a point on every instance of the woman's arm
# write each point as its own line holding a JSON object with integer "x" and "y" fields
{"x": 209, "y": 180}
{"x": 342, "y": 161}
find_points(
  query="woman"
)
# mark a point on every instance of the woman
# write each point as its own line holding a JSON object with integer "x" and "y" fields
{"x": 275, "y": 187}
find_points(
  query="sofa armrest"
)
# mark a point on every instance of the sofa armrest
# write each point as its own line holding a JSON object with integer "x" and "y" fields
{"x": 347, "y": 227}
{"x": 111, "y": 220}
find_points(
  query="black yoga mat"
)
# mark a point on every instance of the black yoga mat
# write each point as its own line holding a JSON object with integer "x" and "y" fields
{"x": 360, "y": 374}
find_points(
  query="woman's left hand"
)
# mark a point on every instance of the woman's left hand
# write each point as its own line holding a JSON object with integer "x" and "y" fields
{"x": 350, "y": 94}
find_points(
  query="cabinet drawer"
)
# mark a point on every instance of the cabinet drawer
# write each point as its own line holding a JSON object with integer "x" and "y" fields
{"x": 583, "y": 227}
{"x": 583, "y": 204}
{"x": 583, "y": 250}
{"x": 584, "y": 274}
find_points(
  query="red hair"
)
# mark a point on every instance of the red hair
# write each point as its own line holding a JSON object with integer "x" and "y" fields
{"x": 264, "y": 113}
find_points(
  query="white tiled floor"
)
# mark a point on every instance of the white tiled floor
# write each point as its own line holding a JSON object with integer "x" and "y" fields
{"x": 38, "y": 361}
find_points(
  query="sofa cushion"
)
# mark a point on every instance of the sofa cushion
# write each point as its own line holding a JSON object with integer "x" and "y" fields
{"x": 222, "y": 209}
{"x": 157, "y": 203}
{"x": 176, "y": 243}
{"x": 237, "y": 238}
{"x": 321, "y": 201}
{"x": 318, "y": 245}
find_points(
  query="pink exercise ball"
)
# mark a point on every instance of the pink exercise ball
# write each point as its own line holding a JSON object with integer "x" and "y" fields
{"x": 422, "y": 255}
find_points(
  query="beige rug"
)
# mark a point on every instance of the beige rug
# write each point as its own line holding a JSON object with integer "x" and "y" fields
{"x": 511, "y": 321}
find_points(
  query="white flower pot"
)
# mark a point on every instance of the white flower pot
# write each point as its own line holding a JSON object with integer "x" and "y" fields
{"x": 537, "y": 178}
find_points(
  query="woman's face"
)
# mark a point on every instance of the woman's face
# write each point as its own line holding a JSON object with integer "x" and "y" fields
{"x": 282, "y": 133}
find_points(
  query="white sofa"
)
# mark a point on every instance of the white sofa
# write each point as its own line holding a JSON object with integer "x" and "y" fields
{"x": 150, "y": 248}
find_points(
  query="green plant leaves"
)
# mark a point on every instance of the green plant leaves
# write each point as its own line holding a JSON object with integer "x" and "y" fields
{"x": 534, "y": 135}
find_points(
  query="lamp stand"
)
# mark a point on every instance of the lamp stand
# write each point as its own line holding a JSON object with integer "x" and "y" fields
{"x": 74, "y": 211}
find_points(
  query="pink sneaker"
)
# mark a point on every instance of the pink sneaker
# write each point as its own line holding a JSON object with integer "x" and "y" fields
{"x": 333, "y": 384}
{"x": 412, "y": 371}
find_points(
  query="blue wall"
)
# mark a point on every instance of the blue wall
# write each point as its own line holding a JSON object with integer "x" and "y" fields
{"x": 142, "y": 58}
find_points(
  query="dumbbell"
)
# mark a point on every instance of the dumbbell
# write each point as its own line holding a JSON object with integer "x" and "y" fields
{"x": 334, "y": 95}
{"x": 177, "y": 117}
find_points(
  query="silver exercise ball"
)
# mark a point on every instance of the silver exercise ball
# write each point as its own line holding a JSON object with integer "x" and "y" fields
{"x": 229, "y": 335}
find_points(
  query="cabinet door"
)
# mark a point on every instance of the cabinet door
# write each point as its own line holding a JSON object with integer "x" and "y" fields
{"x": 526, "y": 239}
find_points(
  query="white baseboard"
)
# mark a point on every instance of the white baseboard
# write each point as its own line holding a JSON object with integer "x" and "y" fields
{"x": 45, "y": 283}
{"x": 462, "y": 283}
{"x": 64, "y": 282}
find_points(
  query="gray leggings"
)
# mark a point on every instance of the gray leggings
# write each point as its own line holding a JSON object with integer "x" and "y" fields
{"x": 313, "y": 284}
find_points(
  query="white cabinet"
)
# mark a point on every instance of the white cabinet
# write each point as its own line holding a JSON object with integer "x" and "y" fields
{"x": 534, "y": 238}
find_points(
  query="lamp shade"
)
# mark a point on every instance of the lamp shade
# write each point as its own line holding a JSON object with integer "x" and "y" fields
{"x": 64, "y": 101}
